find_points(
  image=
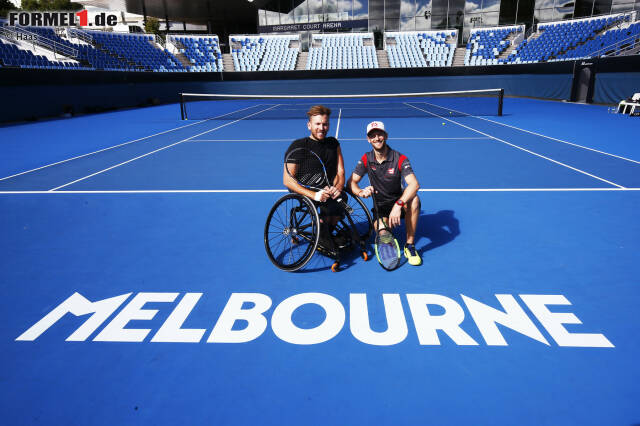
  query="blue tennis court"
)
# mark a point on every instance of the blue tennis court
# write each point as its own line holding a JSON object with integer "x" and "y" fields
{"x": 137, "y": 288}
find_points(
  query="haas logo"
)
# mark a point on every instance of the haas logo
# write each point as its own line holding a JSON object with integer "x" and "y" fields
{"x": 391, "y": 171}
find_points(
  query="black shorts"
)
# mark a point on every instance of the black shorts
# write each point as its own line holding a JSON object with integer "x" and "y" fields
{"x": 384, "y": 209}
{"x": 331, "y": 206}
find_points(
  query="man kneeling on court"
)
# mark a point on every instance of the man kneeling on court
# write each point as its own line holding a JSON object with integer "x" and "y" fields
{"x": 386, "y": 168}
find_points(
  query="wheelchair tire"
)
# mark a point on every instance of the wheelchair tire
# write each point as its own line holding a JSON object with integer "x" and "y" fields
{"x": 291, "y": 232}
{"x": 361, "y": 217}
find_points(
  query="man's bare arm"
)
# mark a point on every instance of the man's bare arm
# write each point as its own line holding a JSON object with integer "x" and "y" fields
{"x": 294, "y": 186}
{"x": 355, "y": 188}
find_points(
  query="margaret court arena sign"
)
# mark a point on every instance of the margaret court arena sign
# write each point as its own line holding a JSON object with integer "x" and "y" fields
{"x": 314, "y": 26}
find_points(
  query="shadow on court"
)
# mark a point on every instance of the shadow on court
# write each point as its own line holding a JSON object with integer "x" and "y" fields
{"x": 440, "y": 228}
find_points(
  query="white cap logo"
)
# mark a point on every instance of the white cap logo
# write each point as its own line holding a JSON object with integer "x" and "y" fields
{"x": 375, "y": 125}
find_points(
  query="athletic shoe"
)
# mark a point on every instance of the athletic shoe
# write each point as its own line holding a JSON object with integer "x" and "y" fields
{"x": 412, "y": 255}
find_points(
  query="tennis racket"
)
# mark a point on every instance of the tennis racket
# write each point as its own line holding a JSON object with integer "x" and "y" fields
{"x": 386, "y": 246}
{"x": 310, "y": 172}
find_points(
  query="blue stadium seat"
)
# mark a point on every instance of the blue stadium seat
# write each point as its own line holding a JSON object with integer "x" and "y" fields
{"x": 342, "y": 51}
{"x": 265, "y": 53}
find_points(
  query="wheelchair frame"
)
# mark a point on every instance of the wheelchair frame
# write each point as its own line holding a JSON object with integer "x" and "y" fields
{"x": 293, "y": 232}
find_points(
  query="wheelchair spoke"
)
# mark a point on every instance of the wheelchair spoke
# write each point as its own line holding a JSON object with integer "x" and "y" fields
{"x": 291, "y": 232}
{"x": 305, "y": 227}
{"x": 306, "y": 236}
{"x": 281, "y": 220}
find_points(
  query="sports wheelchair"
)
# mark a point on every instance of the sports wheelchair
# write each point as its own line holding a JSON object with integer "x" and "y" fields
{"x": 294, "y": 231}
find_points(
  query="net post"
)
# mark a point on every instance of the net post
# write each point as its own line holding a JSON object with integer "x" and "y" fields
{"x": 181, "y": 106}
{"x": 500, "y": 100}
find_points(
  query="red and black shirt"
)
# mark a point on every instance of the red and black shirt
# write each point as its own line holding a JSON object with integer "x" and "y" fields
{"x": 385, "y": 177}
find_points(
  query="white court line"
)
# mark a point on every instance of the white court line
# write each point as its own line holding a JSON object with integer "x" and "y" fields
{"x": 157, "y": 150}
{"x": 522, "y": 149}
{"x": 419, "y": 139}
{"x": 342, "y": 139}
{"x": 242, "y": 140}
{"x": 258, "y": 191}
{"x": 338, "y": 126}
{"x": 119, "y": 145}
{"x": 541, "y": 135}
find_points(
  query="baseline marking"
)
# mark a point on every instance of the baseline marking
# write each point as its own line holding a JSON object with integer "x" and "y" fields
{"x": 258, "y": 191}
{"x": 157, "y": 150}
{"x": 423, "y": 139}
{"x": 541, "y": 135}
{"x": 241, "y": 140}
{"x": 117, "y": 146}
{"x": 342, "y": 139}
{"x": 522, "y": 149}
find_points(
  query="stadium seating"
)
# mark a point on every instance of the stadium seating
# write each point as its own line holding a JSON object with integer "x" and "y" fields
{"x": 136, "y": 52}
{"x": 12, "y": 56}
{"x": 342, "y": 51}
{"x": 612, "y": 40}
{"x": 91, "y": 55}
{"x": 265, "y": 53}
{"x": 559, "y": 40}
{"x": 98, "y": 50}
{"x": 49, "y": 34}
{"x": 420, "y": 49}
{"x": 487, "y": 44}
{"x": 203, "y": 52}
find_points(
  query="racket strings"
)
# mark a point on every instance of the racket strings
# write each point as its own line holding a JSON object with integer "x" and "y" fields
{"x": 385, "y": 237}
{"x": 309, "y": 170}
{"x": 312, "y": 179}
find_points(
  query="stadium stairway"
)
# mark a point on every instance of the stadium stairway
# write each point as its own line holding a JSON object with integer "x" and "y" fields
{"x": 458, "y": 57}
{"x": 167, "y": 54}
{"x": 512, "y": 45}
{"x": 227, "y": 62}
{"x": 383, "y": 58}
{"x": 302, "y": 61}
{"x": 633, "y": 51}
{"x": 122, "y": 59}
{"x": 182, "y": 58}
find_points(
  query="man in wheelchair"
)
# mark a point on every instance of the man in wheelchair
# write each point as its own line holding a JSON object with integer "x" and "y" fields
{"x": 327, "y": 148}
{"x": 316, "y": 215}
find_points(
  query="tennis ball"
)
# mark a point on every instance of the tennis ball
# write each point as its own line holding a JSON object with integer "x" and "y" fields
{"x": 443, "y": 124}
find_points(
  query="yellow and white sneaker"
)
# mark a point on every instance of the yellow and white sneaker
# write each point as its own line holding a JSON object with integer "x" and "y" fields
{"x": 412, "y": 255}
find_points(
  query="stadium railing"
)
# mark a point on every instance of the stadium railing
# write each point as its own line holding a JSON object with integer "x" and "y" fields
{"x": 13, "y": 53}
{"x": 488, "y": 46}
{"x": 197, "y": 53}
{"x": 563, "y": 40}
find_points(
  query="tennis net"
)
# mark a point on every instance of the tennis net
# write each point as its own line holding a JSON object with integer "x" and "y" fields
{"x": 199, "y": 106}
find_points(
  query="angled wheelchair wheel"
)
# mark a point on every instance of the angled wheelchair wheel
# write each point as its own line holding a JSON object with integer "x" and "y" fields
{"x": 291, "y": 232}
{"x": 361, "y": 218}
